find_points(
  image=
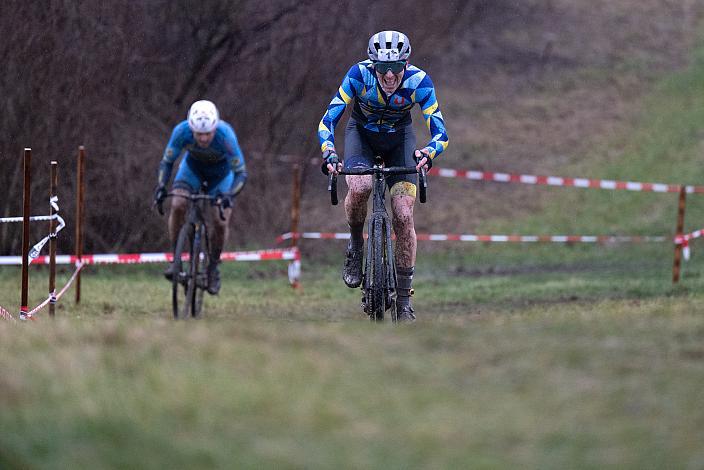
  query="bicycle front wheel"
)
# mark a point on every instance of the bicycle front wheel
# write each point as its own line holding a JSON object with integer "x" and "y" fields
{"x": 199, "y": 269}
{"x": 181, "y": 272}
{"x": 376, "y": 272}
{"x": 196, "y": 273}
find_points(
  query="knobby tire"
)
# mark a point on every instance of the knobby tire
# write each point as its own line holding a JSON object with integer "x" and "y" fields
{"x": 181, "y": 270}
{"x": 389, "y": 271}
{"x": 377, "y": 294}
{"x": 200, "y": 270}
{"x": 192, "y": 284}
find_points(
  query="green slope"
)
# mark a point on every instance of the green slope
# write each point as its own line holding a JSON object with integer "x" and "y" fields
{"x": 665, "y": 144}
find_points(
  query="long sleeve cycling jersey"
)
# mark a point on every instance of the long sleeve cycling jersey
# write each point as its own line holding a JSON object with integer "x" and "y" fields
{"x": 214, "y": 162}
{"x": 381, "y": 113}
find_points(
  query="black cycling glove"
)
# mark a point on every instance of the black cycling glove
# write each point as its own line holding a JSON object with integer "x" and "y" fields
{"x": 429, "y": 162}
{"x": 225, "y": 200}
{"x": 159, "y": 198}
{"x": 160, "y": 194}
{"x": 329, "y": 158}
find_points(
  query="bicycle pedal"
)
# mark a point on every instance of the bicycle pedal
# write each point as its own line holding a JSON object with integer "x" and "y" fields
{"x": 365, "y": 307}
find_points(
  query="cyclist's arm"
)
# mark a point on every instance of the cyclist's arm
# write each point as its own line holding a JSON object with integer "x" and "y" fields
{"x": 425, "y": 94}
{"x": 171, "y": 153}
{"x": 347, "y": 91}
{"x": 237, "y": 163}
{"x": 239, "y": 181}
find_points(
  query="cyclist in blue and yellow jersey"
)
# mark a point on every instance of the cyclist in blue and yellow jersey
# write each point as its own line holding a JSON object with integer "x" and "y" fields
{"x": 382, "y": 91}
{"x": 212, "y": 154}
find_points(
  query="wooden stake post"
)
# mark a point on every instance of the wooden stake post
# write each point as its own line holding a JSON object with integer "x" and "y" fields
{"x": 80, "y": 183}
{"x": 295, "y": 203}
{"x": 26, "y": 207}
{"x": 52, "y": 240}
{"x": 676, "y": 267}
{"x": 294, "y": 266}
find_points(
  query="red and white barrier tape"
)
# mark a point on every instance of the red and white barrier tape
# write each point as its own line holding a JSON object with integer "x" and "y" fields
{"x": 6, "y": 315}
{"x": 685, "y": 239}
{"x": 291, "y": 254}
{"x": 680, "y": 239}
{"x": 494, "y": 238}
{"x": 140, "y": 258}
{"x": 560, "y": 181}
{"x": 52, "y": 298}
{"x": 36, "y": 218}
{"x": 37, "y": 248}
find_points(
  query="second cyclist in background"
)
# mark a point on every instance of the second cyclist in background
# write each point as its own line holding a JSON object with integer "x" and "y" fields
{"x": 212, "y": 155}
{"x": 382, "y": 92}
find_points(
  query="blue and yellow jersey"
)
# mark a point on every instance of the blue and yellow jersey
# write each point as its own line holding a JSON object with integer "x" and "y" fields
{"x": 381, "y": 113}
{"x": 221, "y": 156}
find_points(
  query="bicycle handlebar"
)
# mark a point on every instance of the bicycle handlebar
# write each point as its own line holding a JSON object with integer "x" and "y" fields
{"x": 392, "y": 170}
{"x": 195, "y": 197}
{"x": 217, "y": 201}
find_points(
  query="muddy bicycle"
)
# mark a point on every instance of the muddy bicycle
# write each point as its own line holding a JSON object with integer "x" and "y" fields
{"x": 379, "y": 274}
{"x": 192, "y": 255}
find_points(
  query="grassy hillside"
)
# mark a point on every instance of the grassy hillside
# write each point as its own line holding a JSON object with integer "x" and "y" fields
{"x": 664, "y": 145}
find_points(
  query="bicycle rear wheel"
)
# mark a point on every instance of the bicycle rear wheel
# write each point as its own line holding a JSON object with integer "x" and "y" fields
{"x": 181, "y": 272}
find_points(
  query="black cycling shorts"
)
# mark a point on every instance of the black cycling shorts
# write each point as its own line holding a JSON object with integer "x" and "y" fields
{"x": 395, "y": 148}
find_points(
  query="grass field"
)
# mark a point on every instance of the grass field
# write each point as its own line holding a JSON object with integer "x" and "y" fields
{"x": 528, "y": 356}
{"x": 579, "y": 357}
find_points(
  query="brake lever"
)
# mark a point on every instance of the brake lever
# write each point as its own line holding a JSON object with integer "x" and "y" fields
{"x": 221, "y": 211}
{"x": 159, "y": 207}
{"x": 332, "y": 188}
{"x": 422, "y": 180}
{"x": 423, "y": 183}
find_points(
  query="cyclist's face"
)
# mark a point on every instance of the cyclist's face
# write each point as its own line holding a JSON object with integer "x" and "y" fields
{"x": 389, "y": 81}
{"x": 203, "y": 139}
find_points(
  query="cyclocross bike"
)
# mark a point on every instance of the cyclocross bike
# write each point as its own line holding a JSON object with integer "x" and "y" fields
{"x": 191, "y": 255}
{"x": 379, "y": 275}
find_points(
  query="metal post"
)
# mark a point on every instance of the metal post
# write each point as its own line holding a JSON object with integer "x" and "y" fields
{"x": 79, "y": 216}
{"x": 52, "y": 240}
{"x": 676, "y": 267}
{"x": 295, "y": 203}
{"x": 294, "y": 266}
{"x": 25, "y": 233}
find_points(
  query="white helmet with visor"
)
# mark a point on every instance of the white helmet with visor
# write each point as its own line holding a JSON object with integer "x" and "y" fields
{"x": 203, "y": 116}
{"x": 389, "y": 46}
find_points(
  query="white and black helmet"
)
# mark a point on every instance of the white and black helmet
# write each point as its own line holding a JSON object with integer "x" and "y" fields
{"x": 203, "y": 116}
{"x": 389, "y": 46}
